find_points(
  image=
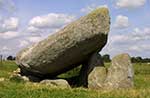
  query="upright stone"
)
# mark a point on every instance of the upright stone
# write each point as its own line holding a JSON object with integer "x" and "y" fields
{"x": 68, "y": 47}
{"x": 120, "y": 74}
{"x": 97, "y": 77}
{"x": 92, "y": 72}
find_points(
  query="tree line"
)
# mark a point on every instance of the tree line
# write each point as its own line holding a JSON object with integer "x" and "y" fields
{"x": 10, "y": 58}
{"x": 138, "y": 59}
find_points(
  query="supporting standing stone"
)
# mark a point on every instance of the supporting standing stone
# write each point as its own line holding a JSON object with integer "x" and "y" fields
{"x": 120, "y": 74}
{"x": 97, "y": 77}
{"x": 94, "y": 62}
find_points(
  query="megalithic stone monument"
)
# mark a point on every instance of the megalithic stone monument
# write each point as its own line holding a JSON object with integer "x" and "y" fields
{"x": 67, "y": 48}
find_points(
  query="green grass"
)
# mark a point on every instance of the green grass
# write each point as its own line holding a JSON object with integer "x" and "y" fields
{"x": 6, "y": 68}
{"x": 12, "y": 89}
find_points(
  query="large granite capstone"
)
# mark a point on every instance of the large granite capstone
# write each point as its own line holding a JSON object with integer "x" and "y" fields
{"x": 67, "y": 48}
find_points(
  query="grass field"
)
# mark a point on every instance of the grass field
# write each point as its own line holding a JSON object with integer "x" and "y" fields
{"x": 12, "y": 89}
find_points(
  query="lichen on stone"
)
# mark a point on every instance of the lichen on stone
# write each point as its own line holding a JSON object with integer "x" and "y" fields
{"x": 103, "y": 11}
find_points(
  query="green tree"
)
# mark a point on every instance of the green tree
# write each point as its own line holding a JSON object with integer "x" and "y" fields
{"x": 10, "y": 58}
{"x": 106, "y": 58}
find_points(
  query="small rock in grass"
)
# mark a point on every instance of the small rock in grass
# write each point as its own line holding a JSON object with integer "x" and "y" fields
{"x": 2, "y": 79}
{"x": 19, "y": 78}
{"x": 60, "y": 83}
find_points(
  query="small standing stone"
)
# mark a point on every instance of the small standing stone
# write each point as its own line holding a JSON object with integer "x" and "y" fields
{"x": 120, "y": 74}
{"x": 97, "y": 77}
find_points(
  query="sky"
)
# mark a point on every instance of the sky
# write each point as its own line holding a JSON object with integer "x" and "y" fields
{"x": 25, "y": 22}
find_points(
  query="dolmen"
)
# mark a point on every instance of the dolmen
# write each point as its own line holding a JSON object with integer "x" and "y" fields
{"x": 79, "y": 43}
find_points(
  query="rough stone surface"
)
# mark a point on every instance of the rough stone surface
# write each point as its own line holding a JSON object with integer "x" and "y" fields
{"x": 67, "y": 48}
{"x": 17, "y": 71}
{"x": 120, "y": 74}
{"x": 58, "y": 83}
{"x": 16, "y": 75}
{"x": 33, "y": 78}
{"x": 19, "y": 78}
{"x": 97, "y": 77}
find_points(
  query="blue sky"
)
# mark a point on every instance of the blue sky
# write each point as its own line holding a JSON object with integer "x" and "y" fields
{"x": 24, "y": 22}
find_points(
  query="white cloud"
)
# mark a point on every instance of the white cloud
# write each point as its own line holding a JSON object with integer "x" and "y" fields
{"x": 34, "y": 39}
{"x": 5, "y": 48}
{"x": 141, "y": 34}
{"x": 51, "y": 20}
{"x": 135, "y": 42}
{"x": 139, "y": 48}
{"x": 23, "y": 43}
{"x": 119, "y": 38}
{"x": 9, "y": 34}
{"x": 10, "y": 24}
{"x": 136, "y": 35}
{"x": 129, "y": 4}
{"x": 40, "y": 27}
{"x": 32, "y": 29}
{"x": 121, "y": 22}
{"x": 134, "y": 48}
{"x": 91, "y": 8}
